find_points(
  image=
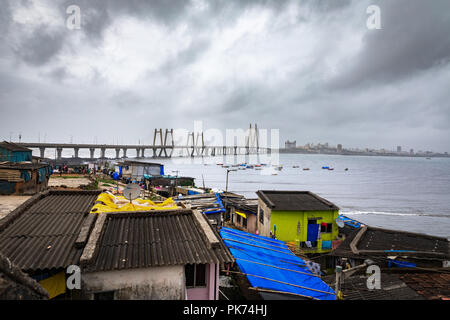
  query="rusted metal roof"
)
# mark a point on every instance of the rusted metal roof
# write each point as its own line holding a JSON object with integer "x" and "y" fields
{"x": 431, "y": 286}
{"x": 143, "y": 239}
{"x": 295, "y": 201}
{"x": 41, "y": 233}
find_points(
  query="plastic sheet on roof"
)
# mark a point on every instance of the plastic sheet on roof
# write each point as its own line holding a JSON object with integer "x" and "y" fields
{"x": 107, "y": 202}
{"x": 269, "y": 264}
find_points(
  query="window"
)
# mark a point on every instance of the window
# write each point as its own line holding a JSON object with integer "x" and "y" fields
{"x": 326, "y": 227}
{"x": 107, "y": 295}
{"x": 261, "y": 215}
{"x": 195, "y": 275}
{"x": 238, "y": 219}
{"x": 299, "y": 229}
{"x": 244, "y": 222}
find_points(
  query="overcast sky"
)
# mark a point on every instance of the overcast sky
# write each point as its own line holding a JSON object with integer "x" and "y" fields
{"x": 310, "y": 68}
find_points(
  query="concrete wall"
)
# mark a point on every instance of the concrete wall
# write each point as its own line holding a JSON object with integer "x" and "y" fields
{"x": 211, "y": 291}
{"x": 263, "y": 229}
{"x": 251, "y": 221}
{"x": 156, "y": 283}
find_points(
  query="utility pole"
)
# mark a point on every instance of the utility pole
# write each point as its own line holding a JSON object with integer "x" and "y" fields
{"x": 228, "y": 171}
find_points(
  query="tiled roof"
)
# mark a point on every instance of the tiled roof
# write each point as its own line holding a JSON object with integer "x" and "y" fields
{"x": 431, "y": 286}
{"x": 295, "y": 201}
{"x": 392, "y": 288}
{"x": 41, "y": 233}
{"x": 143, "y": 239}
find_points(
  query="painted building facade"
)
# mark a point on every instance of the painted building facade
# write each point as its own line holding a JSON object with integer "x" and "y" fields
{"x": 299, "y": 217}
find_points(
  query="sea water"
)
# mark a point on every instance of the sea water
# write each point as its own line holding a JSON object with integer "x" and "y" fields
{"x": 403, "y": 193}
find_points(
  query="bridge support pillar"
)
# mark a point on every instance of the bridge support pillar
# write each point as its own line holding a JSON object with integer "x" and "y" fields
{"x": 42, "y": 150}
{"x": 102, "y": 153}
{"x": 76, "y": 152}
{"x": 224, "y": 152}
{"x": 125, "y": 152}
{"x": 92, "y": 150}
{"x": 138, "y": 153}
{"x": 59, "y": 153}
{"x": 117, "y": 153}
{"x": 235, "y": 150}
{"x": 143, "y": 152}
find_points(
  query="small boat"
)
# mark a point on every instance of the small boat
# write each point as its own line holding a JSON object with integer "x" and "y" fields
{"x": 225, "y": 166}
{"x": 346, "y": 169}
{"x": 220, "y": 164}
{"x": 326, "y": 168}
{"x": 305, "y": 169}
{"x": 330, "y": 169}
{"x": 295, "y": 166}
{"x": 249, "y": 167}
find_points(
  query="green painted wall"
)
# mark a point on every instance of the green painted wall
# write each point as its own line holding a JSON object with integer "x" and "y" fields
{"x": 287, "y": 226}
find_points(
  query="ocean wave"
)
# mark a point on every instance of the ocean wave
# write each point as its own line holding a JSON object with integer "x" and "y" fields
{"x": 384, "y": 213}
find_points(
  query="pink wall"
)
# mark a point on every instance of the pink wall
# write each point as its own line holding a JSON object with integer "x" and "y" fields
{"x": 212, "y": 285}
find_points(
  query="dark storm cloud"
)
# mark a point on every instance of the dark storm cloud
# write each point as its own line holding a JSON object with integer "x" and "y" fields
{"x": 41, "y": 45}
{"x": 381, "y": 87}
{"x": 414, "y": 38}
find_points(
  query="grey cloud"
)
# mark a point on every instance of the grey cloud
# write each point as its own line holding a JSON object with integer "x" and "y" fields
{"x": 41, "y": 45}
{"x": 414, "y": 38}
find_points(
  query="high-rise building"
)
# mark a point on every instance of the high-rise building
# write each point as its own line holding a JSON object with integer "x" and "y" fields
{"x": 339, "y": 148}
{"x": 399, "y": 149}
{"x": 290, "y": 145}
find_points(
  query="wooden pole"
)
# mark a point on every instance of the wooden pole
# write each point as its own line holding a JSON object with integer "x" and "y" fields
{"x": 286, "y": 283}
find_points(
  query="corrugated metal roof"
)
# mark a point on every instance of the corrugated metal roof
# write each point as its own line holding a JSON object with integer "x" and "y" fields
{"x": 13, "y": 147}
{"x": 41, "y": 233}
{"x": 384, "y": 242}
{"x": 392, "y": 288}
{"x": 295, "y": 201}
{"x": 139, "y": 240}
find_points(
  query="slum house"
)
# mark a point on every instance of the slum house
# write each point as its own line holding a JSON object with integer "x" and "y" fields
{"x": 17, "y": 285}
{"x": 300, "y": 218}
{"x": 46, "y": 234}
{"x": 50, "y": 232}
{"x": 23, "y": 178}
{"x": 392, "y": 249}
{"x": 11, "y": 152}
{"x": 242, "y": 212}
{"x": 19, "y": 172}
{"x": 137, "y": 170}
{"x": 271, "y": 270}
{"x": 159, "y": 255}
{"x": 209, "y": 204}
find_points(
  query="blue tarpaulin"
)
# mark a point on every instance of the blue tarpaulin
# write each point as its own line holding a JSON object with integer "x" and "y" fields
{"x": 261, "y": 257}
{"x": 350, "y": 222}
{"x": 313, "y": 232}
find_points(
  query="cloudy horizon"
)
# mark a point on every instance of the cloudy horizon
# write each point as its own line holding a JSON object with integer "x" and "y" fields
{"x": 311, "y": 68}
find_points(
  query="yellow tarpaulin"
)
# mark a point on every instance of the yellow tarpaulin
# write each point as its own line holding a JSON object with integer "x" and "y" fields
{"x": 55, "y": 285}
{"x": 241, "y": 214}
{"x": 107, "y": 202}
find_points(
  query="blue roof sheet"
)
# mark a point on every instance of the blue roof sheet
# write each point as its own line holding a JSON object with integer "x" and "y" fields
{"x": 262, "y": 257}
{"x": 350, "y": 222}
